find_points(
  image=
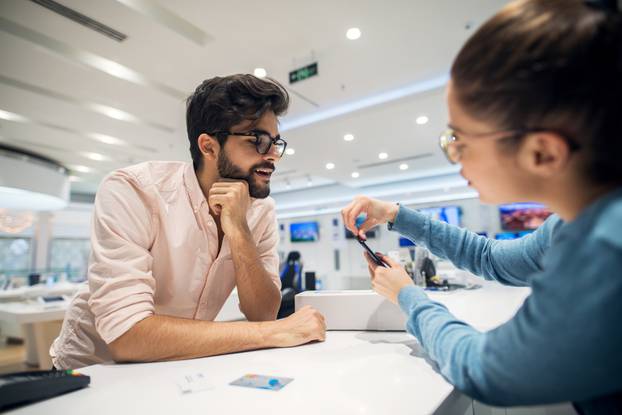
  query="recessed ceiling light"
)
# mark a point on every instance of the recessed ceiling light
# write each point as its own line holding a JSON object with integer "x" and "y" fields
{"x": 353, "y": 33}
{"x": 95, "y": 156}
{"x": 355, "y": 175}
{"x": 403, "y": 166}
{"x": 422, "y": 119}
{"x": 348, "y": 137}
{"x": 382, "y": 156}
{"x": 260, "y": 72}
{"x": 75, "y": 179}
{"x": 330, "y": 166}
{"x": 290, "y": 151}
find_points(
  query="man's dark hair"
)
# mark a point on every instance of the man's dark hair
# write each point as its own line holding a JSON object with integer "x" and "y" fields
{"x": 554, "y": 65}
{"x": 222, "y": 102}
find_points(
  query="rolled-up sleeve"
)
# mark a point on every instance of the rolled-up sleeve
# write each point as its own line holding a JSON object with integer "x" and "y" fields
{"x": 267, "y": 248}
{"x": 120, "y": 279}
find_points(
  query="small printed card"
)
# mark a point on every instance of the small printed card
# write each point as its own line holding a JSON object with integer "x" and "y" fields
{"x": 273, "y": 383}
{"x": 194, "y": 382}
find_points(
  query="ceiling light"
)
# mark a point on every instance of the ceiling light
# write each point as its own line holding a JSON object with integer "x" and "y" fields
{"x": 75, "y": 179}
{"x": 422, "y": 119}
{"x": 355, "y": 175}
{"x": 290, "y": 151}
{"x": 81, "y": 169}
{"x": 11, "y": 116}
{"x": 330, "y": 166}
{"x": 353, "y": 33}
{"x": 106, "y": 139}
{"x": 15, "y": 222}
{"x": 403, "y": 166}
{"x": 95, "y": 156}
{"x": 382, "y": 156}
{"x": 260, "y": 72}
{"x": 348, "y": 137}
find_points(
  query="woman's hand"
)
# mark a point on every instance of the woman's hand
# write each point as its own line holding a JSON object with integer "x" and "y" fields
{"x": 377, "y": 212}
{"x": 387, "y": 281}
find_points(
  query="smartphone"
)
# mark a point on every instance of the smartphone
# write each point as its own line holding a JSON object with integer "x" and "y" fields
{"x": 371, "y": 253}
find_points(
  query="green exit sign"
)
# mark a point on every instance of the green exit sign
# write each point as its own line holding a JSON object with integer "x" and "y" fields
{"x": 303, "y": 73}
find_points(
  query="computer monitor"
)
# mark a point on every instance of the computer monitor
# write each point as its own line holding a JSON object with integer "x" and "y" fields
{"x": 522, "y": 216}
{"x": 304, "y": 232}
{"x": 404, "y": 242}
{"x": 449, "y": 214}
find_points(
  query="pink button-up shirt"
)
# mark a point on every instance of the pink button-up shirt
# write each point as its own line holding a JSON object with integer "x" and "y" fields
{"x": 154, "y": 251}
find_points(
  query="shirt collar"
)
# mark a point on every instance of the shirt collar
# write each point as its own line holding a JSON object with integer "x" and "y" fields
{"x": 191, "y": 183}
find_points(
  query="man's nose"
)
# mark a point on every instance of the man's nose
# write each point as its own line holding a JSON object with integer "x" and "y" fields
{"x": 272, "y": 154}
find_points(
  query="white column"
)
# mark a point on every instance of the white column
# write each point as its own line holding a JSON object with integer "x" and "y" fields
{"x": 42, "y": 236}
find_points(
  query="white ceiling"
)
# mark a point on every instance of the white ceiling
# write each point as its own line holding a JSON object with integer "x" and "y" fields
{"x": 51, "y": 75}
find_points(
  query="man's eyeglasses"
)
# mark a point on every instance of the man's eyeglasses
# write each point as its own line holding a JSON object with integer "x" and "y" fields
{"x": 449, "y": 141}
{"x": 263, "y": 140}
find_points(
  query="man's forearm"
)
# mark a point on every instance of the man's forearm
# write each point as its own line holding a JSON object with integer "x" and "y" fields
{"x": 159, "y": 338}
{"x": 259, "y": 296}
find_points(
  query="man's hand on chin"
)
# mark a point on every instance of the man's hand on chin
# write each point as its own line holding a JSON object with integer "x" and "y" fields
{"x": 230, "y": 200}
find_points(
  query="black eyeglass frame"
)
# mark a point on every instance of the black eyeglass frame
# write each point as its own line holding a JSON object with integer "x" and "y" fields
{"x": 255, "y": 133}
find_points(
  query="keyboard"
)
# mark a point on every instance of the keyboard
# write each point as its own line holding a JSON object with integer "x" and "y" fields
{"x": 26, "y": 387}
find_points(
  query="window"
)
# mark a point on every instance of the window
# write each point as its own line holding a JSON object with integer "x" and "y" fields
{"x": 15, "y": 255}
{"x": 70, "y": 256}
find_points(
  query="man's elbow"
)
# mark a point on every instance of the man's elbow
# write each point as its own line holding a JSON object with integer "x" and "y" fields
{"x": 120, "y": 351}
{"x": 125, "y": 348}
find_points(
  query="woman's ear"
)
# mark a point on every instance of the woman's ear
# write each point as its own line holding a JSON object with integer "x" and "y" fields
{"x": 208, "y": 146}
{"x": 544, "y": 154}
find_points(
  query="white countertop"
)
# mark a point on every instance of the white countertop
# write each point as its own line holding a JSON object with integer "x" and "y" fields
{"x": 24, "y": 312}
{"x": 33, "y": 291}
{"x": 351, "y": 373}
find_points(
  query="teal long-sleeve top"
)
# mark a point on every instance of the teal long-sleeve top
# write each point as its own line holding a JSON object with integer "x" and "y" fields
{"x": 565, "y": 341}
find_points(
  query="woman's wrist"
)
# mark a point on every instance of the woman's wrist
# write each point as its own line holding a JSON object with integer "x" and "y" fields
{"x": 392, "y": 212}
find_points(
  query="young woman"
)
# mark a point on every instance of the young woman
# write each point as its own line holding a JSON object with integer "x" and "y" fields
{"x": 535, "y": 113}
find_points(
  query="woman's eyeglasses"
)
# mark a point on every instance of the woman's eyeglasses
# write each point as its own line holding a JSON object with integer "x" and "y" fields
{"x": 449, "y": 141}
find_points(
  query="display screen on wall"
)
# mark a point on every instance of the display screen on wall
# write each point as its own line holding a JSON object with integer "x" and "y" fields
{"x": 304, "y": 232}
{"x": 522, "y": 216}
{"x": 404, "y": 242}
{"x": 449, "y": 214}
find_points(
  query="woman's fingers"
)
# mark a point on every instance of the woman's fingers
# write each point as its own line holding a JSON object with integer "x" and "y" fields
{"x": 370, "y": 262}
{"x": 367, "y": 225}
{"x": 349, "y": 214}
{"x": 388, "y": 260}
{"x": 348, "y": 219}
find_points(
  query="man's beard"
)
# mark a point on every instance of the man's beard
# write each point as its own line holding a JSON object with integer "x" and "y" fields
{"x": 228, "y": 170}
